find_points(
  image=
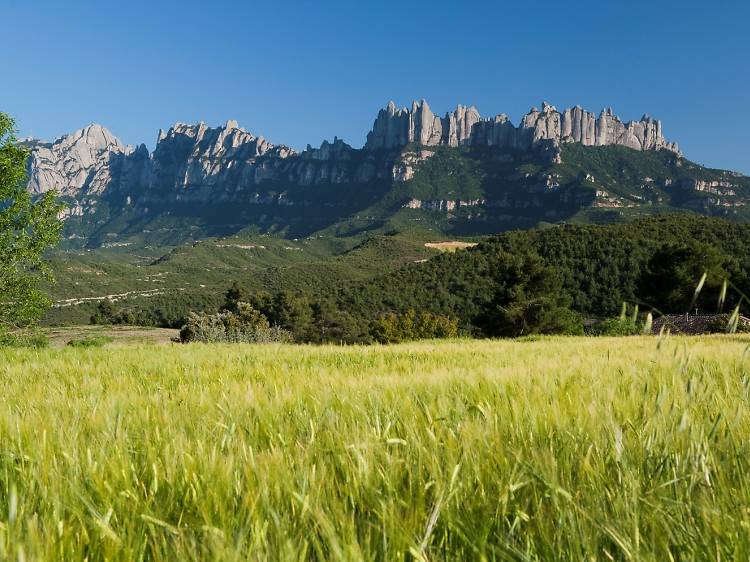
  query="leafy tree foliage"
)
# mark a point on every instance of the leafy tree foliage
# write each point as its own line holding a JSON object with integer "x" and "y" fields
{"x": 234, "y": 295}
{"x": 27, "y": 229}
{"x": 107, "y": 313}
{"x": 673, "y": 275}
{"x": 491, "y": 292}
{"x": 544, "y": 281}
{"x": 616, "y": 327}
{"x": 527, "y": 299}
{"x": 602, "y": 266}
{"x": 243, "y": 324}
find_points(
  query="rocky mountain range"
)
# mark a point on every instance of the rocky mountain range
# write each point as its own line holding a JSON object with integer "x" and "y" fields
{"x": 543, "y": 130}
{"x": 196, "y": 166}
{"x": 209, "y": 161}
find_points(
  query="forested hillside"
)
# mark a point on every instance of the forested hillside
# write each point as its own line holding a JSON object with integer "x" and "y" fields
{"x": 597, "y": 266}
{"x": 538, "y": 281}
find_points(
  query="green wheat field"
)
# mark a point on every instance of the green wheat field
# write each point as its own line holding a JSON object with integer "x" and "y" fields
{"x": 540, "y": 449}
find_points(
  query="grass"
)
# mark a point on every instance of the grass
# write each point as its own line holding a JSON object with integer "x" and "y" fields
{"x": 127, "y": 335}
{"x": 546, "y": 449}
{"x": 90, "y": 341}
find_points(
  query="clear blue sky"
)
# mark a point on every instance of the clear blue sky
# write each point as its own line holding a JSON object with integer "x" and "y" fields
{"x": 299, "y": 72}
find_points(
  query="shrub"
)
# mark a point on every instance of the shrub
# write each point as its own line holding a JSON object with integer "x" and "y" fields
{"x": 245, "y": 325}
{"x": 394, "y": 328}
{"x": 23, "y": 338}
{"x": 105, "y": 313}
{"x": 616, "y": 327}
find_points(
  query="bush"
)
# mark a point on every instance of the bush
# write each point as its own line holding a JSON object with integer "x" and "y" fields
{"x": 616, "y": 327}
{"x": 394, "y": 328}
{"x": 566, "y": 322}
{"x": 23, "y": 338}
{"x": 245, "y": 325}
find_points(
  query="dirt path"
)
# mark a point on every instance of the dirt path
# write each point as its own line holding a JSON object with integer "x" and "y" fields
{"x": 114, "y": 297}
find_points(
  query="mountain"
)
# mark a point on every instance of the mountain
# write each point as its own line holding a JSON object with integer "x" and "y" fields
{"x": 460, "y": 174}
{"x": 543, "y": 130}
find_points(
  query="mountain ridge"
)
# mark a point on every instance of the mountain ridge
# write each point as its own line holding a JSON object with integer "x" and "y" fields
{"x": 392, "y": 130}
{"x": 490, "y": 170}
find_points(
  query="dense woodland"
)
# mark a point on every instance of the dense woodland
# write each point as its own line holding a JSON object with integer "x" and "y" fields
{"x": 656, "y": 262}
{"x": 549, "y": 280}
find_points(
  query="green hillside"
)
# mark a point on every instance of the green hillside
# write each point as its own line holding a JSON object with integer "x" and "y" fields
{"x": 572, "y": 273}
{"x": 193, "y": 277}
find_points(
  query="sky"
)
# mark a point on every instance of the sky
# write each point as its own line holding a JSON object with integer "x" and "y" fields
{"x": 299, "y": 72}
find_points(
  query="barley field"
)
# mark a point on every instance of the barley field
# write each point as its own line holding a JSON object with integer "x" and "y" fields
{"x": 547, "y": 449}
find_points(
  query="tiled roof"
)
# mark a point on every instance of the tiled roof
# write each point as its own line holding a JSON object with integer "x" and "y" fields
{"x": 694, "y": 323}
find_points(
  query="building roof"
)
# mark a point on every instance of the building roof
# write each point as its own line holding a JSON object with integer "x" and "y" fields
{"x": 691, "y": 324}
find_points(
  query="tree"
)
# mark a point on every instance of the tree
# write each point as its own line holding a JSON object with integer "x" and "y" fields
{"x": 234, "y": 295}
{"x": 332, "y": 324}
{"x": 291, "y": 312}
{"x": 106, "y": 313}
{"x": 528, "y": 298}
{"x": 28, "y": 229}
{"x": 672, "y": 274}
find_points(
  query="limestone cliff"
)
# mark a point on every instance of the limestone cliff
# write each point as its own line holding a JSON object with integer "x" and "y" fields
{"x": 78, "y": 163}
{"x": 196, "y": 162}
{"x": 541, "y": 130}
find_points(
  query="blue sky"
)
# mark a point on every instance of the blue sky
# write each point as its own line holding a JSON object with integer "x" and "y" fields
{"x": 298, "y": 72}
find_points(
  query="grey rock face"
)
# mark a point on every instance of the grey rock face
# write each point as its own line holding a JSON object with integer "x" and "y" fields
{"x": 80, "y": 162}
{"x": 543, "y": 130}
{"x": 198, "y": 163}
{"x": 193, "y": 163}
{"x": 198, "y": 158}
{"x": 498, "y": 131}
{"x": 395, "y": 127}
{"x": 446, "y": 205}
{"x": 460, "y": 125}
{"x": 405, "y": 166}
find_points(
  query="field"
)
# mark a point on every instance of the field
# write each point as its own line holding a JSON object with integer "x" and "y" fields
{"x": 110, "y": 334}
{"x": 538, "y": 449}
{"x": 451, "y": 246}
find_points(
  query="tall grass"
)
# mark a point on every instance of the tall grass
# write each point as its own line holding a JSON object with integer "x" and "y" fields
{"x": 550, "y": 449}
